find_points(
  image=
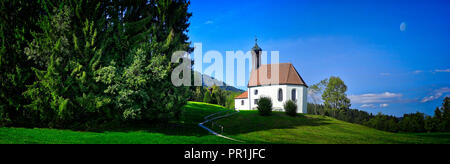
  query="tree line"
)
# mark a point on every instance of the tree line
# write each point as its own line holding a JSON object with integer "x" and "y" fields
{"x": 213, "y": 95}
{"x": 337, "y": 105}
{"x": 81, "y": 63}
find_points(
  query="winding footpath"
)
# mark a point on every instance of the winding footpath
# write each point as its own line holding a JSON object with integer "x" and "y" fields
{"x": 208, "y": 119}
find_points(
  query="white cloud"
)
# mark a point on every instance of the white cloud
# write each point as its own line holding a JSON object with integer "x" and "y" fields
{"x": 367, "y": 106}
{"x": 442, "y": 70}
{"x": 375, "y": 98}
{"x": 373, "y": 106}
{"x": 314, "y": 97}
{"x": 431, "y": 71}
{"x": 428, "y": 98}
{"x": 436, "y": 94}
{"x": 209, "y": 22}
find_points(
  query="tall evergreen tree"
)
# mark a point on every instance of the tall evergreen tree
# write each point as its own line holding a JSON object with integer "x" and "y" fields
{"x": 446, "y": 114}
{"x": 77, "y": 63}
{"x": 17, "y": 19}
{"x": 66, "y": 54}
{"x": 146, "y": 33}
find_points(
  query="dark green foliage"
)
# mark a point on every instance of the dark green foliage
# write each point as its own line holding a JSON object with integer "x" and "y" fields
{"x": 290, "y": 108}
{"x": 264, "y": 106}
{"x": 440, "y": 121}
{"x": 246, "y": 126}
{"x": 81, "y": 63}
{"x": 137, "y": 74}
{"x": 214, "y": 95}
{"x": 219, "y": 95}
{"x": 66, "y": 55}
{"x": 412, "y": 123}
{"x": 380, "y": 121}
{"x": 432, "y": 124}
{"x": 445, "y": 115}
{"x": 17, "y": 20}
{"x": 415, "y": 122}
{"x": 198, "y": 94}
{"x": 349, "y": 115}
{"x": 336, "y": 105}
{"x": 383, "y": 122}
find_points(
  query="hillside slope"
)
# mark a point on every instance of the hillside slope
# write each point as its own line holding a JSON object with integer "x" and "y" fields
{"x": 311, "y": 129}
{"x": 246, "y": 125}
{"x": 184, "y": 131}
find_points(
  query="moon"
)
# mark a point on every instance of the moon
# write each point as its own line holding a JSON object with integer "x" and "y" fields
{"x": 402, "y": 26}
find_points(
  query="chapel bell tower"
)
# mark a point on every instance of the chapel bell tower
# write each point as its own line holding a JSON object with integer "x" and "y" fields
{"x": 256, "y": 56}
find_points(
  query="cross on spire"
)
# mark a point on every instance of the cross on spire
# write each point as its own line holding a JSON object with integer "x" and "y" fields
{"x": 256, "y": 47}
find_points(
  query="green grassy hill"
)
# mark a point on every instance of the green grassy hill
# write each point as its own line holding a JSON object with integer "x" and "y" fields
{"x": 184, "y": 131}
{"x": 311, "y": 129}
{"x": 246, "y": 125}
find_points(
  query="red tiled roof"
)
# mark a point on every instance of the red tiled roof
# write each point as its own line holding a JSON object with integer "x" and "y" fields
{"x": 287, "y": 75}
{"x": 242, "y": 96}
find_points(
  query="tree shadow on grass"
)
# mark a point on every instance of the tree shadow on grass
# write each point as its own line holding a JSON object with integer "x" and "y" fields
{"x": 187, "y": 125}
{"x": 194, "y": 113}
{"x": 243, "y": 122}
{"x": 174, "y": 129}
{"x": 251, "y": 121}
{"x": 435, "y": 135}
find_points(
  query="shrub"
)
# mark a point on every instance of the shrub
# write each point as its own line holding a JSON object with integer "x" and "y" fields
{"x": 290, "y": 108}
{"x": 265, "y": 106}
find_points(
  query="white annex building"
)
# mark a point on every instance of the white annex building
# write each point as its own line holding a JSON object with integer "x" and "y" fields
{"x": 289, "y": 86}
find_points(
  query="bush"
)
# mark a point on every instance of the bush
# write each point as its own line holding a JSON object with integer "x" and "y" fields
{"x": 265, "y": 106}
{"x": 290, "y": 108}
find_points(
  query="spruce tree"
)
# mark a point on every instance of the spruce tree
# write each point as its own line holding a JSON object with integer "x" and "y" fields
{"x": 66, "y": 54}
{"x": 446, "y": 114}
{"x": 78, "y": 63}
{"x": 145, "y": 34}
{"x": 17, "y": 19}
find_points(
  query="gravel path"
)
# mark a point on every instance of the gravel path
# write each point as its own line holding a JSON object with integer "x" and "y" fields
{"x": 209, "y": 119}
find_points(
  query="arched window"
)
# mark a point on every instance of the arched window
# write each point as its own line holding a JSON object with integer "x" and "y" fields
{"x": 242, "y": 102}
{"x": 256, "y": 92}
{"x": 294, "y": 95}
{"x": 280, "y": 94}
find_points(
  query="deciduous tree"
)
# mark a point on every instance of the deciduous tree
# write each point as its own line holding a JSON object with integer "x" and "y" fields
{"x": 334, "y": 95}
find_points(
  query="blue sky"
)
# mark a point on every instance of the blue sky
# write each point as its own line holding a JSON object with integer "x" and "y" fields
{"x": 387, "y": 68}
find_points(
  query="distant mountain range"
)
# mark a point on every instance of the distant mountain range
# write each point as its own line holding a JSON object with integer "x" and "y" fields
{"x": 209, "y": 81}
